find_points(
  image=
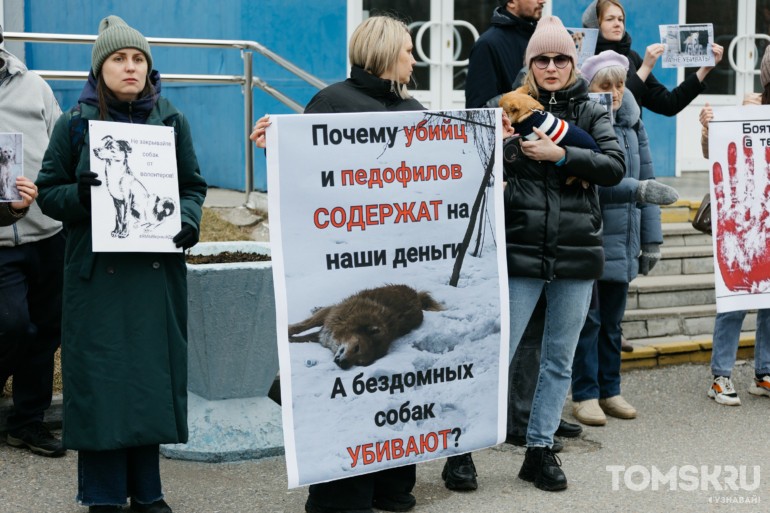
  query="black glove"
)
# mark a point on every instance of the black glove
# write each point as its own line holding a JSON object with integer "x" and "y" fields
{"x": 86, "y": 180}
{"x": 187, "y": 237}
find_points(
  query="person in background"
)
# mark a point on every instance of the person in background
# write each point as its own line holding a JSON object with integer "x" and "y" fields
{"x": 554, "y": 233}
{"x": 632, "y": 233}
{"x": 31, "y": 264}
{"x": 497, "y": 55}
{"x": 727, "y": 328}
{"x": 124, "y": 359}
{"x": 610, "y": 18}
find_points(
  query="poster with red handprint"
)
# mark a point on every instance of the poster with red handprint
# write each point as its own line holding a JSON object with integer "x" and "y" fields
{"x": 739, "y": 151}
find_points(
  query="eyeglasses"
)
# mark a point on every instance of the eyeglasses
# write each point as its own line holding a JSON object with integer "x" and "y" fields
{"x": 560, "y": 61}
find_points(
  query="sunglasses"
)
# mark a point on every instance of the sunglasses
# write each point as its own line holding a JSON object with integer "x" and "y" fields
{"x": 560, "y": 61}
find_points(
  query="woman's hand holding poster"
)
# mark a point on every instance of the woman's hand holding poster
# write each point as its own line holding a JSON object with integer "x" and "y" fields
{"x": 391, "y": 287}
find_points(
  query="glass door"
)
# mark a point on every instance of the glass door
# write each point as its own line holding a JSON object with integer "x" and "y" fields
{"x": 443, "y": 32}
{"x": 742, "y": 27}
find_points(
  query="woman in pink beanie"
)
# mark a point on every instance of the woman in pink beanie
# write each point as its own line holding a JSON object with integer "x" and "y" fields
{"x": 553, "y": 230}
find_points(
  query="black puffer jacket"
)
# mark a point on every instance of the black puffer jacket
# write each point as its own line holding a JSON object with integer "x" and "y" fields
{"x": 554, "y": 230}
{"x": 362, "y": 92}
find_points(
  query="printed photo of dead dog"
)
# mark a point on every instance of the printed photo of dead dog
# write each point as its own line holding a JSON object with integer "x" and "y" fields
{"x": 10, "y": 158}
{"x": 131, "y": 199}
{"x": 360, "y": 329}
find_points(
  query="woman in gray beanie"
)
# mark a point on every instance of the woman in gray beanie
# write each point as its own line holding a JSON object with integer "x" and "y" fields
{"x": 553, "y": 233}
{"x": 124, "y": 319}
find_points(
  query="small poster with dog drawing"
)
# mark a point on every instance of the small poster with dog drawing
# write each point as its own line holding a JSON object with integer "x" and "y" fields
{"x": 585, "y": 42}
{"x": 136, "y": 207}
{"x": 687, "y": 46}
{"x": 390, "y": 279}
{"x": 11, "y": 165}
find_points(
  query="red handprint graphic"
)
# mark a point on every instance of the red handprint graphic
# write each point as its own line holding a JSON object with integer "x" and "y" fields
{"x": 742, "y": 219}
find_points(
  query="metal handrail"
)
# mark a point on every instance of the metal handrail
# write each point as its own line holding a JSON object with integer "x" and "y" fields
{"x": 248, "y": 81}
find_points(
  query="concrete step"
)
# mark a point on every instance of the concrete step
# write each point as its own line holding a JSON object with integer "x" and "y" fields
{"x": 683, "y": 234}
{"x": 676, "y": 260}
{"x": 682, "y": 211}
{"x": 664, "y": 291}
{"x": 686, "y": 322}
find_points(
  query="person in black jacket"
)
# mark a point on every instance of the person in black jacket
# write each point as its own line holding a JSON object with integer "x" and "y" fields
{"x": 381, "y": 56}
{"x": 498, "y": 55}
{"x": 610, "y": 18}
{"x": 553, "y": 231}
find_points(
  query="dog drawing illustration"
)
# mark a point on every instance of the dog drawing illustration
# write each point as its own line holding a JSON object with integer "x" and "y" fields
{"x": 360, "y": 329}
{"x": 129, "y": 195}
{"x": 7, "y": 182}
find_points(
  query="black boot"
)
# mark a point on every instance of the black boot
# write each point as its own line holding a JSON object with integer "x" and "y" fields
{"x": 460, "y": 473}
{"x": 542, "y": 467}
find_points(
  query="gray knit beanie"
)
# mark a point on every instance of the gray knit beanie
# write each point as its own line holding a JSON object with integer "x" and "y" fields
{"x": 764, "y": 68}
{"x": 114, "y": 34}
{"x": 550, "y": 36}
{"x": 590, "y": 18}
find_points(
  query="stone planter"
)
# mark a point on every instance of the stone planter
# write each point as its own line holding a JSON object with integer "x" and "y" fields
{"x": 232, "y": 359}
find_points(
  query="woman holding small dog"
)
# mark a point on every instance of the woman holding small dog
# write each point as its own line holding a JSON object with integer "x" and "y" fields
{"x": 632, "y": 234}
{"x": 553, "y": 231}
{"x": 124, "y": 338}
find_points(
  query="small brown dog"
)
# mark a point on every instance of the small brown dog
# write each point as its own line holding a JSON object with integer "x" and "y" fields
{"x": 360, "y": 329}
{"x": 518, "y": 106}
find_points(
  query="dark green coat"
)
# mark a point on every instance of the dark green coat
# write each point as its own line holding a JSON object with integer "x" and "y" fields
{"x": 124, "y": 329}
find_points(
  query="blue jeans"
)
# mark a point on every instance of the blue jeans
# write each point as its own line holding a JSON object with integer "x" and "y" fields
{"x": 567, "y": 302}
{"x": 106, "y": 478}
{"x": 596, "y": 369}
{"x": 727, "y": 331}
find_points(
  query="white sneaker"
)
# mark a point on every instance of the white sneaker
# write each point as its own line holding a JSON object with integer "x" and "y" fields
{"x": 760, "y": 386}
{"x": 723, "y": 392}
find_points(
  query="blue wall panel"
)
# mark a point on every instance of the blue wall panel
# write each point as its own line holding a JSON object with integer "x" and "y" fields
{"x": 642, "y": 23}
{"x": 311, "y": 35}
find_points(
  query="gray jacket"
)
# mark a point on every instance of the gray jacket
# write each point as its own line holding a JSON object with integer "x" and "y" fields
{"x": 28, "y": 106}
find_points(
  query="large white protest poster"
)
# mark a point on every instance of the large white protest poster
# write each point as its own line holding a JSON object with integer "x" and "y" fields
{"x": 687, "y": 46}
{"x": 390, "y": 279}
{"x": 11, "y": 165}
{"x": 136, "y": 208}
{"x": 739, "y": 159}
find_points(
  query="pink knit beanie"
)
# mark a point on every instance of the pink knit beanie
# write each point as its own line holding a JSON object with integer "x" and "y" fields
{"x": 550, "y": 36}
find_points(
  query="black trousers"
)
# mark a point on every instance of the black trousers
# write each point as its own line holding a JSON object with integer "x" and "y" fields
{"x": 357, "y": 492}
{"x": 30, "y": 324}
{"x": 524, "y": 370}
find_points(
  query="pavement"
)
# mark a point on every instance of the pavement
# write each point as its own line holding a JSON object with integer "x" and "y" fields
{"x": 679, "y": 433}
{"x": 678, "y": 428}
